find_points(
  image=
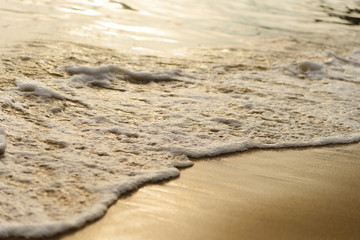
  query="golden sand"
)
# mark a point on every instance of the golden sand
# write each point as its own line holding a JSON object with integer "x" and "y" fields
{"x": 311, "y": 193}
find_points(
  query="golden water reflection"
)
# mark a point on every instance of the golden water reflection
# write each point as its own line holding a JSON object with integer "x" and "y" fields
{"x": 114, "y": 21}
{"x": 79, "y": 10}
{"x": 163, "y": 24}
{"x": 136, "y": 29}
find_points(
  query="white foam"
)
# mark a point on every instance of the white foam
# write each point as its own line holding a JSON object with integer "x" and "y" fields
{"x": 109, "y": 195}
{"x": 353, "y": 59}
{"x": 102, "y": 76}
{"x": 32, "y": 87}
{"x": 79, "y": 160}
{"x": 307, "y": 69}
{"x": 338, "y": 68}
{"x": 95, "y": 71}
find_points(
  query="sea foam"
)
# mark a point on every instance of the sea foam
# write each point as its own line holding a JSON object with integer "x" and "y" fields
{"x": 75, "y": 147}
{"x": 34, "y": 88}
{"x": 101, "y": 76}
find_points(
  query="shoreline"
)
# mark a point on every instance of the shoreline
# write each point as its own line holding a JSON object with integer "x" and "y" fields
{"x": 292, "y": 193}
{"x": 101, "y": 101}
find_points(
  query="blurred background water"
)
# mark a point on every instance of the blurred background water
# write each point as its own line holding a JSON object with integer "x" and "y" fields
{"x": 158, "y": 24}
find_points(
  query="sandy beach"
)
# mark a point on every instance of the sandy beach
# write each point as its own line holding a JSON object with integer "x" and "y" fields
{"x": 102, "y": 101}
{"x": 309, "y": 193}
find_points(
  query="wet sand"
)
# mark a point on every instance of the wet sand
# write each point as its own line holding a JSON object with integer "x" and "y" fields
{"x": 310, "y": 193}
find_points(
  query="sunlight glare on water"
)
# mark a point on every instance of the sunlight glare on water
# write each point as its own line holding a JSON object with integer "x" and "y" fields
{"x": 180, "y": 24}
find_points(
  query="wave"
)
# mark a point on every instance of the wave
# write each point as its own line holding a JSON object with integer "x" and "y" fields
{"x": 75, "y": 143}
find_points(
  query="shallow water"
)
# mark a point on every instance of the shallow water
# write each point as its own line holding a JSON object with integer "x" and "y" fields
{"x": 149, "y": 26}
{"x": 100, "y": 97}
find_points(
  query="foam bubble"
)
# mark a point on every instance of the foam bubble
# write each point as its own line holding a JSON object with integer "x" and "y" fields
{"x": 307, "y": 67}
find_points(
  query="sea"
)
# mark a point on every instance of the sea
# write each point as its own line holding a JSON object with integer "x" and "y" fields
{"x": 99, "y": 97}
